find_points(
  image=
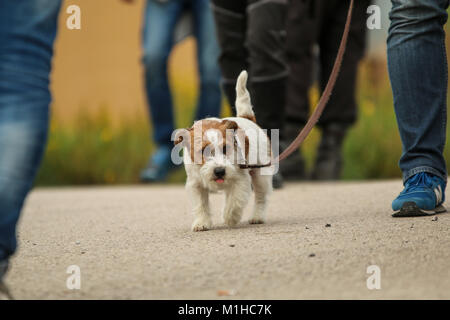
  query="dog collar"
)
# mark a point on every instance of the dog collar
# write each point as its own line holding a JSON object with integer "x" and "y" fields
{"x": 254, "y": 166}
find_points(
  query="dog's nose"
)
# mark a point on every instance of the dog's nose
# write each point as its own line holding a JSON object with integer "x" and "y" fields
{"x": 219, "y": 172}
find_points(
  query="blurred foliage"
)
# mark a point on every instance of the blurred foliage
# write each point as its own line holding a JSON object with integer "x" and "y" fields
{"x": 93, "y": 150}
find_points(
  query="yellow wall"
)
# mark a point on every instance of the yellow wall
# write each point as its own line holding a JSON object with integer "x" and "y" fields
{"x": 99, "y": 65}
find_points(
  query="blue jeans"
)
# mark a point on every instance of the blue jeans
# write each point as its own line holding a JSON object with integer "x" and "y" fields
{"x": 27, "y": 31}
{"x": 418, "y": 71}
{"x": 160, "y": 21}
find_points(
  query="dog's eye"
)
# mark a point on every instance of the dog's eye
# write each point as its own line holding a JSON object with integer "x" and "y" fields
{"x": 208, "y": 152}
{"x": 227, "y": 148}
{"x": 211, "y": 152}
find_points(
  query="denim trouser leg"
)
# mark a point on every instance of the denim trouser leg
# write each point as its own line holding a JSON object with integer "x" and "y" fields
{"x": 209, "y": 101}
{"x": 418, "y": 71}
{"x": 27, "y": 32}
{"x": 160, "y": 21}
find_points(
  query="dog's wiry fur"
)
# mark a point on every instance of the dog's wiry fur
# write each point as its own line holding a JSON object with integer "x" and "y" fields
{"x": 236, "y": 183}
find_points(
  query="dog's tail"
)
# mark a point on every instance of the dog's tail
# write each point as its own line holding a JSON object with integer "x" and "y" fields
{"x": 243, "y": 103}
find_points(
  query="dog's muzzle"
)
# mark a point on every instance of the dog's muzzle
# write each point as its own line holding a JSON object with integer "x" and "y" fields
{"x": 219, "y": 174}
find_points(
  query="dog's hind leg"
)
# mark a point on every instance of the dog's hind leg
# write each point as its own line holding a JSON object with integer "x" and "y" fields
{"x": 200, "y": 206}
{"x": 262, "y": 186}
{"x": 235, "y": 202}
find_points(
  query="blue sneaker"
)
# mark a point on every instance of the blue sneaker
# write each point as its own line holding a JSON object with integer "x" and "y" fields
{"x": 159, "y": 166}
{"x": 423, "y": 195}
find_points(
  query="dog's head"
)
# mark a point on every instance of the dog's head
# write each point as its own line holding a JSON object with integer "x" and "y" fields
{"x": 217, "y": 148}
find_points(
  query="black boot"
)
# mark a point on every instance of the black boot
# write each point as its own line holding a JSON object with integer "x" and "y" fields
{"x": 268, "y": 101}
{"x": 293, "y": 167}
{"x": 329, "y": 156}
{"x": 277, "y": 181}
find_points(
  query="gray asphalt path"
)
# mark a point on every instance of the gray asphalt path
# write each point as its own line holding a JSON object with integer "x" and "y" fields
{"x": 135, "y": 243}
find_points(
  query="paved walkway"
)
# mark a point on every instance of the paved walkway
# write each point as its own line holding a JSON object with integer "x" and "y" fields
{"x": 135, "y": 242}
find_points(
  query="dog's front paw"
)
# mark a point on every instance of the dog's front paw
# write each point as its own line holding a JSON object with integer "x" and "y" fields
{"x": 232, "y": 220}
{"x": 256, "y": 221}
{"x": 201, "y": 225}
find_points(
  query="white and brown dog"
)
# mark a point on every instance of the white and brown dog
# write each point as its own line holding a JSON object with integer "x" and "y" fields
{"x": 229, "y": 155}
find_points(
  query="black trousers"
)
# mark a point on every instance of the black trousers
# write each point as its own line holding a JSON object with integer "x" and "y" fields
{"x": 252, "y": 36}
{"x": 321, "y": 22}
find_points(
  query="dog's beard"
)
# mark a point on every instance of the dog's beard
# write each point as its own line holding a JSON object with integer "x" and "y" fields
{"x": 211, "y": 181}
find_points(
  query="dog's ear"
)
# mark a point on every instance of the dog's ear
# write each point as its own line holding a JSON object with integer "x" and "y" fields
{"x": 229, "y": 124}
{"x": 182, "y": 135}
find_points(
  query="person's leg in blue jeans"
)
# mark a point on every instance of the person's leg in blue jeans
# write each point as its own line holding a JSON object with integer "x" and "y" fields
{"x": 161, "y": 18}
{"x": 160, "y": 21}
{"x": 418, "y": 72}
{"x": 209, "y": 101}
{"x": 27, "y": 33}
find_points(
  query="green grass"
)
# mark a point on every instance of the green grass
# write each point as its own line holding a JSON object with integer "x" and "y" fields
{"x": 91, "y": 150}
